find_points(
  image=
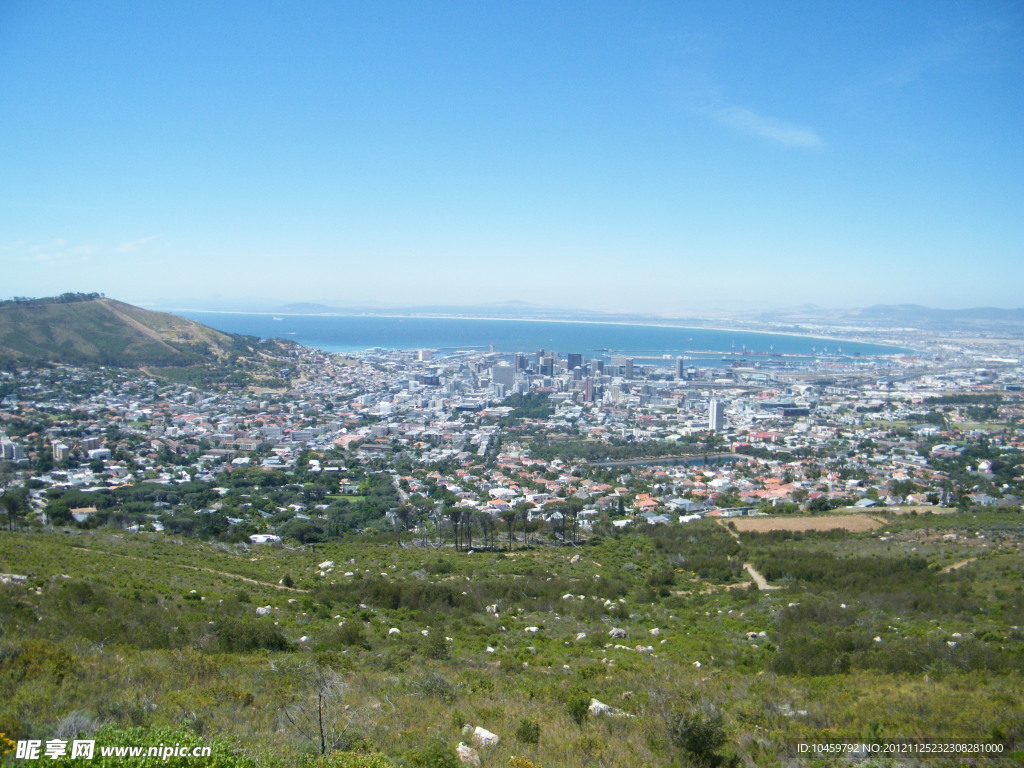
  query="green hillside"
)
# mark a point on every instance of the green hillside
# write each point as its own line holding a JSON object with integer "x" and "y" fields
{"x": 395, "y": 648}
{"x": 84, "y": 329}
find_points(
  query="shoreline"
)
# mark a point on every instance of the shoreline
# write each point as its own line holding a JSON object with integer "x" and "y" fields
{"x": 651, "y": 324}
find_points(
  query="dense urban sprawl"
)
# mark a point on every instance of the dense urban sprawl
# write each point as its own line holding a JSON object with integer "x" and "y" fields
{"x": 475, "y": 444}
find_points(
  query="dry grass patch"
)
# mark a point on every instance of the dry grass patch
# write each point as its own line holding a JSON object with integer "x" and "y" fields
{"x": 920, "y": 509}
{"x": 854, "y": 523}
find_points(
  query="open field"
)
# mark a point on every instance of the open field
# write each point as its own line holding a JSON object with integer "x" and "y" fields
{"x": 857, "y": 523}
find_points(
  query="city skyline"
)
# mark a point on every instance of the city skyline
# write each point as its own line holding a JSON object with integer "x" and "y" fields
{"x": 655, "y": 158}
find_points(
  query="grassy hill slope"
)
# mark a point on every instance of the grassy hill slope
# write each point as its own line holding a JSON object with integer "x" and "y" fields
{"x": 866, "y": 637}
{"x": 79, "y": 329}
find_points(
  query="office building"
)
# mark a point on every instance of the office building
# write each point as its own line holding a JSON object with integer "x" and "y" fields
{"x": 716, "y": 416}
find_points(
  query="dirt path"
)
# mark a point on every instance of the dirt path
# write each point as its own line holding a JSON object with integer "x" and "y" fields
{"x": 958, "y": 566}
{"x": 197, "y": 568}
{"x": 760, "y": 580}
{"x": 732, "y": 533}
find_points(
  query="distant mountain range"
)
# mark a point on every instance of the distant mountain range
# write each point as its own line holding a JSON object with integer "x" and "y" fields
{"x": 88, "y": 328}
{"x": 898, "y": 316}
{"x": 495, "y": 309}
{"x": 879, "y": 316}
{"x": 499, "y": 310}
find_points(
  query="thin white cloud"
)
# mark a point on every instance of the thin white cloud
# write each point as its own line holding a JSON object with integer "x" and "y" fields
{"x": 54, "y": 249}
{"x": 763, "y": 127}
{"x": 61, "y": 249}
{"x": 57, "y": 244}
{"x": 131, "y": 246}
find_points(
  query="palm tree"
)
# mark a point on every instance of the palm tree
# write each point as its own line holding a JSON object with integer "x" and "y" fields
{"x": 524, "y": 511}
{"x": 467, "y": 527}
{"x": 509, "y": 518}
{"x": 486, "y": 523}
{"x": 12, "y": 504}
{"x": 404, "y": 514}
{"x": 455, "y": 515}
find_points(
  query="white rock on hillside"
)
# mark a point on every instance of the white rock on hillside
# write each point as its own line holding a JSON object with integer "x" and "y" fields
{"x": 485, "y": 738}
{"x": 467, "y": 754}
{"x": 600, "y": 708}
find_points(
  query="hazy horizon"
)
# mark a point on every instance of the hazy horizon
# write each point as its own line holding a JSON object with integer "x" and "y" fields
{"x": 657, "y": 158}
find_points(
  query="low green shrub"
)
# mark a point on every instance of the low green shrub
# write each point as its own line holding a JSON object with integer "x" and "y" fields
{"x": 528, "y": 731}
{"x": 246, "y": 635}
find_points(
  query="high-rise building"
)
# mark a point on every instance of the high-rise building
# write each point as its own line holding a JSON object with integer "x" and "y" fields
{"x": 680, "y": 368}
{"x": 573, "y": 360}
{"x": 503, "y": 374}
{"x": 716, "y": 416}
{"x": 623, "y": 366}
{"x": 11, "y": 451}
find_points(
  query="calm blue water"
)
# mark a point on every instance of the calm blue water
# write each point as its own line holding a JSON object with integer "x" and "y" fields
{"x": 344, "y": 333}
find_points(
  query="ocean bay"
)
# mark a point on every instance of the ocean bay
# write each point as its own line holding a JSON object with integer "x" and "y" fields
{"x": 353, "y": 333}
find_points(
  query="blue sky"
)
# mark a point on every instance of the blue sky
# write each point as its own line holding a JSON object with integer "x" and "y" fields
{"x": 666, "y": 157}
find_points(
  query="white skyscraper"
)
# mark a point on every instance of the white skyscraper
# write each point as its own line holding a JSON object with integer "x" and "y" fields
{"x": 716, "y": 416}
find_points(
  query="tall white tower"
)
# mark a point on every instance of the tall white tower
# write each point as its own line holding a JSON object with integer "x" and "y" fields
{"x": 716, "y": 416}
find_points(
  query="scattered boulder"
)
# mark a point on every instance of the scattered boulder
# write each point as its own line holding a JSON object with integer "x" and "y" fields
{"x": 263, "y": 610}
{"x": 467, "y": 754}
{"x": 617, "y": 632}
{"x": 600, "y": 708}
{"x": 532, "y": 629}
{"x": 485, "y": 738}
{"x": 394, "y": 631}
{"x": 326, "y": 564}
{"x": 656, "y": 631}
{"x": 574, "y": 559}
{"x": 581, "y": 636}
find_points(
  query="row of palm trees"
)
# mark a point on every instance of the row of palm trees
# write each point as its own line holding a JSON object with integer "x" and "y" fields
{"x": 463, "y": 522}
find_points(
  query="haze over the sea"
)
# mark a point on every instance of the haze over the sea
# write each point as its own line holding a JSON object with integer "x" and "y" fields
{"x": 347, "y": 333}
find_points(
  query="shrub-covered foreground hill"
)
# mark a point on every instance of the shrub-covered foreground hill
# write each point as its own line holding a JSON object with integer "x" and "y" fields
{"x": 365, "y": 652}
